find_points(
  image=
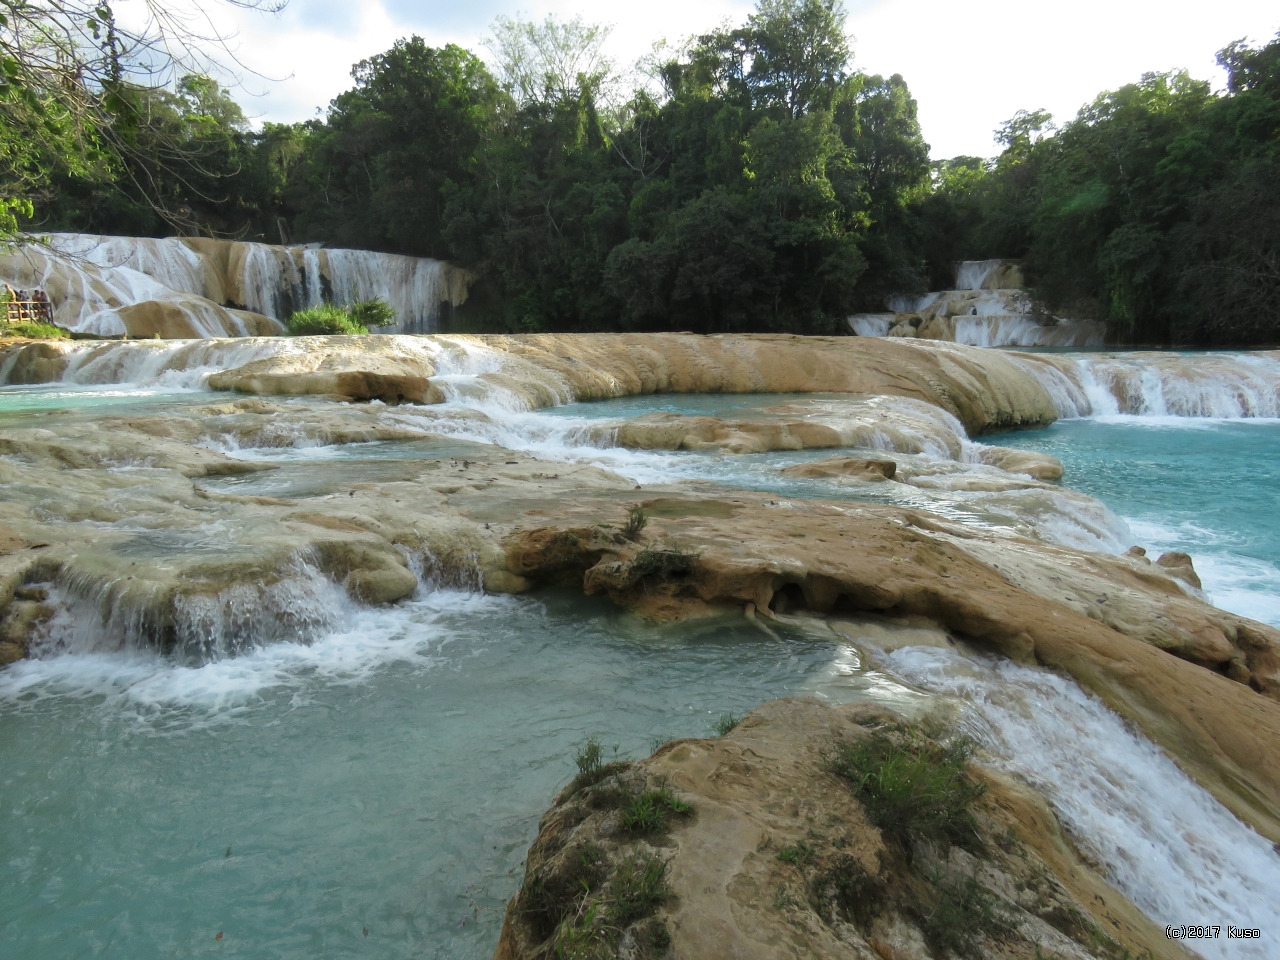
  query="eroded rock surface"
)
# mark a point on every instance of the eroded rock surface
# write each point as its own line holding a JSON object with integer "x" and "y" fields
{"x": 777, "y": 857}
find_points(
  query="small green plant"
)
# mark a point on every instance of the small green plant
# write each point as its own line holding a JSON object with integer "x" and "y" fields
{"x": 964, "y": 911}
{"x": 647, "y": 812}
{"x": 912, "y": 787}
{"x": 372, "y": 313}
{"x": 36, "y": 330}
{"x": 326, "y": 319}
{"x": 661, "y": 564}
{"x": 798, "y": 854}
{"x": 591, "y": 765}
{"x": 636, "y": 522}
{"x": 638, "y": 887}
{"x": 845, "y": 885}
{"x": 726, "y": 722}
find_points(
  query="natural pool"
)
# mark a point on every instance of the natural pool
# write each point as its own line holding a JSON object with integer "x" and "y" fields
{"x": 387, "y": 778}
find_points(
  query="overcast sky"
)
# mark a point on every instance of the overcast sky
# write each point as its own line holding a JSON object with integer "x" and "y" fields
{"x": 970, "y": 66}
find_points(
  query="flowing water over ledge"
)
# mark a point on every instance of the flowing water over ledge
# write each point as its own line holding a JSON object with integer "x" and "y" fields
{"x": 388, "y": 776}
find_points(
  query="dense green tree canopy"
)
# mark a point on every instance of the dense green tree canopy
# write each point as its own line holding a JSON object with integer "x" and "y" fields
{"x": 759, "y": 181}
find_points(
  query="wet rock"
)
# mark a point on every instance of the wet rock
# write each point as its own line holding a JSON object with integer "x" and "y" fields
{"x": 1040, "y": 466}
{"x": 1179, "y": 565}
{"x": 860, "y": 468}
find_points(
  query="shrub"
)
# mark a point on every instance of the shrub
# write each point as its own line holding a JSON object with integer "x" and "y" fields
{"x": 912, "y": 787}
{"x": 323, "y": 320}
{"x": 661, "y": 564}
{"x": 372, "y": 313}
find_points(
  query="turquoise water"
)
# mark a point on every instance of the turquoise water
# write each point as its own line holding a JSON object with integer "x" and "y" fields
{"x": 388, "y": 778}
{"x": 1205, "y": 487}
{"x": 106, "y": 399}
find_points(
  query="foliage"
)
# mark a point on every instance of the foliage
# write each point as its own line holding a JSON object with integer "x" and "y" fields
{"x": 323, "y": 320}
{"x": 78, "y": 84}
{"x": 34, "y": 329}
{"x": 725, "y": 723}
{"x": 912, "y": 788}
{"x": 648, "y": 812}
{"x": 636, "y": 522}
{"x": 372, "y": 313}
{"x": 1156, "y": 209}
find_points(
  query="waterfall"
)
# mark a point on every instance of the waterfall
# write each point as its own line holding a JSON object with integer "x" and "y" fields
{"x": 1224, "y": 386}
{"x": 973, "y": 274}
{"x": 182, "y": 287}
{"x": 871, "y": 324}
{"x": 987, "y": 308}
{"x": 1166, "y": 843}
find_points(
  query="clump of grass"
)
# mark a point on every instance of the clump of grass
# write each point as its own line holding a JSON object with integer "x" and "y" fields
{"x": 36, "y": 330}
{"x": 648, "y": 812}
{"x": 551, "y": 897}
{"x": 800, "y": 853}
{"x": 845, "y": 885}
{"x": 661, "y": 564}
{"x": 326, "y": 319}
{"x": 638, "y": 887}
{"x": 726, "y": 722}
{"x": 372, "y": 313}
{"x": 963, "y": 913}
{"x": 592, "y": 767}
{"x": 913, "y": 788}
{"x": 636, "y": 522}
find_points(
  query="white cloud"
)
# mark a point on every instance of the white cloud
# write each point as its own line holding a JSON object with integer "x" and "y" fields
{"x": 969, "y": 66}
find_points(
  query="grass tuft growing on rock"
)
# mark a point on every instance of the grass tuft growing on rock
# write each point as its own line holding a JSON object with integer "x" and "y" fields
{"x": 963, "y": 913}
{"x": 661, "y": 564}
{"x": 648, "y": 812}
{"x": 725, "y": 723}
{"x": 912, "y": 788}
{"x": 638, "y": 887}
{"x": 636, "y": 522}
{"x": 592, "y": 767}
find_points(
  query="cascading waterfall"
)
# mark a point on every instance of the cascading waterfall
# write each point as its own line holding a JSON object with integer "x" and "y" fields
{"x": 987, "y": 308}
{"x": 973, "y": 274}
{"x": 1227, "y": 386}
{"x": 1177, "y": 853}
{"x": 93, "y": 616}
{"x": 101, "y": 284}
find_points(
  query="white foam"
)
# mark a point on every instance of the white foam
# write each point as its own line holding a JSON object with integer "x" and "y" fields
{"x": 1177, "y": 853}
{"x": 365, "y": 641}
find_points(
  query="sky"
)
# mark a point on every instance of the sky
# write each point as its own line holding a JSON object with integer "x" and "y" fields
{"x": 969, "y": 66}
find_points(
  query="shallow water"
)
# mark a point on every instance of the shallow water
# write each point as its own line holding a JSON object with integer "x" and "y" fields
{"x": 1204, "y": 487}
{"x": 388, "y": 777}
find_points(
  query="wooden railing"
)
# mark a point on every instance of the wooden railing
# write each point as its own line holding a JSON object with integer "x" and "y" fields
{"x": 19, "y": 310}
